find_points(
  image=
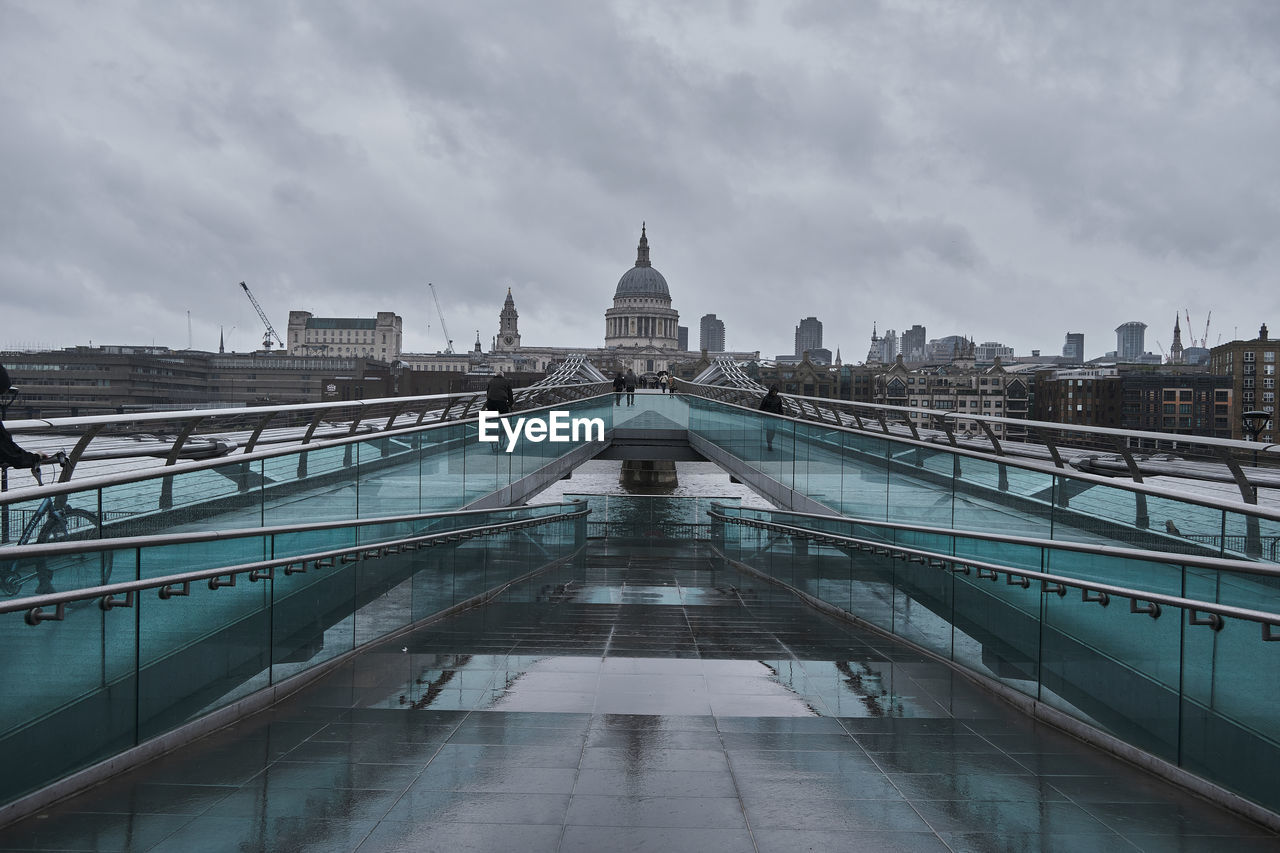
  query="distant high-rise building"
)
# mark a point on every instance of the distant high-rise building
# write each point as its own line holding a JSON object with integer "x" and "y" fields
{"x": 889, "y": 346}
{"x": 808, "y": 335}
{"x": 914, "y": 344}
{"x": 1130, "y": 340}
{"x": 682, "y": 338}
{"x": 711, "y": 334}
{"x": 1073, "y": 348}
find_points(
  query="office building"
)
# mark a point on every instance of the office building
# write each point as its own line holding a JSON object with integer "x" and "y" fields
{"x": 379, "y": 337}
{"x": 914, "y": 346}
{"x": 1073, "y": 347}
{"x": 808, "y": 335}
{"x": 711, "y": 334}
{"x": 1130, "y": 340}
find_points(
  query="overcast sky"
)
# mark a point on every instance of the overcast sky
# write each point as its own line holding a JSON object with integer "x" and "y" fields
{"x": 1010, "y": 171}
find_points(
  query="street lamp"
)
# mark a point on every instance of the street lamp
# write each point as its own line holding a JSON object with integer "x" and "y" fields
{"x": 1254, "y": 422}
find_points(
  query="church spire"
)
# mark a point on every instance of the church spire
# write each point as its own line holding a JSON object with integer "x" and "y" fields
{"x": 642, "y": 251}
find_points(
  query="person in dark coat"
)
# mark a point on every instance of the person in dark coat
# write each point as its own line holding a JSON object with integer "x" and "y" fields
{"x": 498, "y": 395}
{"x": 619, "y": 385}
{"x": 630, "y": 380}
{"x": 11, "y": 455}
{"x": 771, "y": 403}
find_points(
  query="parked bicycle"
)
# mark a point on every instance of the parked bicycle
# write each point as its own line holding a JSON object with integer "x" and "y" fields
{"x": 53, "y": 521}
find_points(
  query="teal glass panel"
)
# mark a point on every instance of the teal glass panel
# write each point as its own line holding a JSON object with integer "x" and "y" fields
{"x": 1182, "y": 527}
{"x": 772, "y": 443}
{"x": 1238, "y": 589}
{"x": 1247, "y": 537}
{"x": 163, "y": 560}
{"x": 864, "y": 487}
{"x": 1132, "y": 573}
{"x": 441, "y": 468}
{"x": 1268, "y": 540}
{"x": 1115, "y": 668}
{"x": 987, "y": 500}
{"x": 133, "y": 509}
{"x": 200, "y": 651}
{"x": 473, "y": 483}
{"x": 313, "y": 618}
{"x": 314, "y": 485}
{"x": 997, "y": 629}
{"x": 823, "y": 465}
{"x": 1103, "y": 514}
{"x": 1009, "y": 554}
{"x": 70, "y": 697}
{"x": 388, "y": 479}
{"x": 922, "y": 604}
{"x": 872, "y": 592}
{"x": 918, "y": 494}
{"x": 383, "y": 594}
{"x": 1230, "y": 731}
{"x": 315, "y": 541}
{"x": 388, "y": 530}
{"x": 934, "y": 543}
{"x": 433, "y": 580}
{"x": 472, "y": 566}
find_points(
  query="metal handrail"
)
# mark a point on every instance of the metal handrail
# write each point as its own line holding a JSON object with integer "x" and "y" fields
{"x": 180, "y": 584}
{"x": 120, "y": 543}
{"x": 350, "y": 437}
{"x": 1140, "y": 601}
{"x": 1027, "y": 463}
{"x": 949, "y": 415}
{"x": 1221, "y": 564}
{"x": 254, "y": 420}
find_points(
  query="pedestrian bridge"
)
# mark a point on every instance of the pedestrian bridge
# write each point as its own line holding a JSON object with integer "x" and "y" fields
{"x": 334, "y": 636}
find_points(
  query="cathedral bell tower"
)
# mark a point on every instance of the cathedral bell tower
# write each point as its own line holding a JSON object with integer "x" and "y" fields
{"x": 508, "y": 333}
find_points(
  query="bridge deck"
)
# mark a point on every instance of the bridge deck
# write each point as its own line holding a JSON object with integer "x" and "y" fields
{"x": 651, "y": 698}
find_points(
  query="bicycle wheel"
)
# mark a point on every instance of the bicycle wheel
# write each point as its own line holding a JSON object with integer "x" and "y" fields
{"x": 72, "y": 571}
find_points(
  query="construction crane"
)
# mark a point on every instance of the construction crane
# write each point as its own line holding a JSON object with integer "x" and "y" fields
{"x": 1203, "y": 340}
{"x": 448, "y": 340}
{"x": 270, "y": 333}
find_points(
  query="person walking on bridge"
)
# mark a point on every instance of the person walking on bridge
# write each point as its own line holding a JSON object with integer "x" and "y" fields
{"x": 630, "y": 381}
{"x": 771, "y": 403}
{"x": 498, "y": 395}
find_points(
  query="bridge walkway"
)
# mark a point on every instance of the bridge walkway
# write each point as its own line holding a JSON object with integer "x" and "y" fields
{"x": 648, "y": 696}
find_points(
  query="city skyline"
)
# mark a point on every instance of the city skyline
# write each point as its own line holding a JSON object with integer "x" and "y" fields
{"x": 1006, "y": 175}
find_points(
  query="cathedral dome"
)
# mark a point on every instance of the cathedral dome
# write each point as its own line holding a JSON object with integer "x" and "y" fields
{"x": 642, "y": 279}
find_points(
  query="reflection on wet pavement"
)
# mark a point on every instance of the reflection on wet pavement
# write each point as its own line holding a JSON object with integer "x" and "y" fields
{"x": 647, "y": 699}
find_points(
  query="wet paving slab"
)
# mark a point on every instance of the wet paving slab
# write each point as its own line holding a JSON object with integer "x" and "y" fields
{"x": 648, "y": 699}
